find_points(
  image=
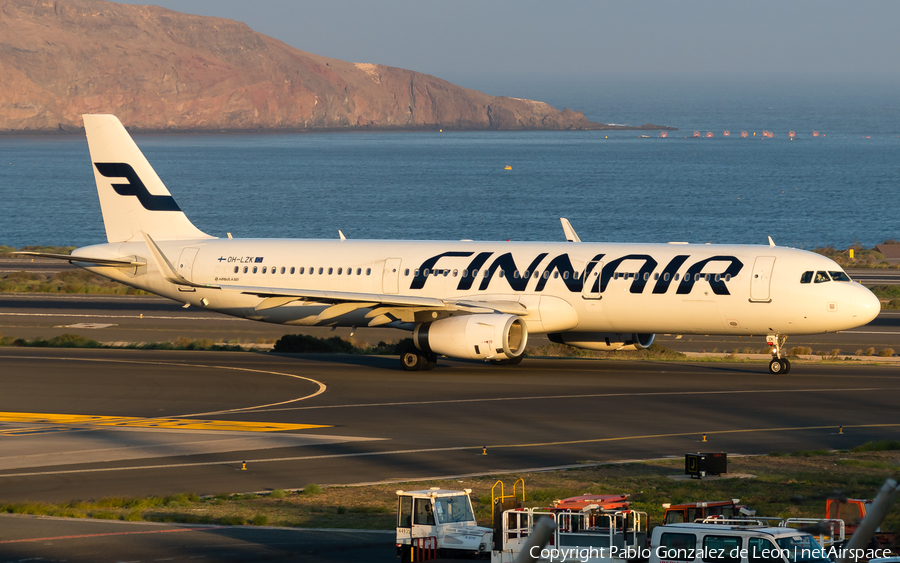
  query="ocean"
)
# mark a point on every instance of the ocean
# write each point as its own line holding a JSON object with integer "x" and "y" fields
{"x": 836, "y": 189}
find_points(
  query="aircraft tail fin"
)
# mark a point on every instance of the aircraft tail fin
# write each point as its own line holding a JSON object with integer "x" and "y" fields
{"x": 132, "y": 197}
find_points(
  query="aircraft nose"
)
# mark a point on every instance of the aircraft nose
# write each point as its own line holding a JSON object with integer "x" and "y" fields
{"x": 864, "y": 306}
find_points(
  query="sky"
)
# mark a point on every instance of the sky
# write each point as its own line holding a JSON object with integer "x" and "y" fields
{"x": 460, "y": 38}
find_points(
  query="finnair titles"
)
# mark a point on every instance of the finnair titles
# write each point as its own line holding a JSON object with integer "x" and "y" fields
{"x": 461, "y": 299}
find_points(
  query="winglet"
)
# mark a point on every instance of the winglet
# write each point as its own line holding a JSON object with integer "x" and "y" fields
{"x": 341, "y": 235}
{"x": 571, "y": 235}
{"x": 771, "y": 242}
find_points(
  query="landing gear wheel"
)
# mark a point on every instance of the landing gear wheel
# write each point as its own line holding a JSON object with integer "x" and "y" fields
{"x": 779, "y": 367}
{"x": 430, "y": 362}
{"x": 787, "y": 366}
{"x": 411, "y": 359}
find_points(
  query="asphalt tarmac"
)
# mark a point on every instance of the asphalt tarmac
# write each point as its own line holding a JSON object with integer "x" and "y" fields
{"x": 158, "y": 422}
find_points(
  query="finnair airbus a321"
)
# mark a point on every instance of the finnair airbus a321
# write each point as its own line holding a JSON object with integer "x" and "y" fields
{"x": 463, "y": 299}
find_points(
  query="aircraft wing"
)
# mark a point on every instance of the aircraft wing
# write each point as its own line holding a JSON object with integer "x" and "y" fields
{"x": 83, "y": 259}
{"x": 276, "y": 297}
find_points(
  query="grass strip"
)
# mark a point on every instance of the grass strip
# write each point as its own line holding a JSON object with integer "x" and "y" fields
{"x": 779, "y": 484}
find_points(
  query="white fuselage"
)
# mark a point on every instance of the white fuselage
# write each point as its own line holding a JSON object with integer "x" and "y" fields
{"x": 581, "y": 287}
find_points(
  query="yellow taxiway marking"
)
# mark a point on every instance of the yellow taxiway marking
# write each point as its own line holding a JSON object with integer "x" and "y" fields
{"x": 82, "y": 420}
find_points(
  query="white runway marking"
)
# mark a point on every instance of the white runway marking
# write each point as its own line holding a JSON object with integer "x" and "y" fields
{"x": 582, "y": 396}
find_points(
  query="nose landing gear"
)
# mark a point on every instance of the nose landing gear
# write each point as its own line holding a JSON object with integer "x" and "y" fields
{"x": 779, "y": 363}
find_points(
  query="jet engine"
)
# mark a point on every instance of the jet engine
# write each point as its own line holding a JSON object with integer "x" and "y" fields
{"x": 603, "y": 340}
{"x": 492, "y": 336}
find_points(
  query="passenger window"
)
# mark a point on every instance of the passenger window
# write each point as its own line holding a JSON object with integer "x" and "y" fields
{"x": 358, "y": 271}
{"x": 822, "y": 277}
{"x": 254, "y": 269}
{"x": 722, "y": 549}
{"x": 302, "y": 270}
{"x": 245, "y": 269}
{"x": 565, "y": 275}
{"x": 839, "y": 276}
{"x": 349, "y": 271}
{"x": 446, "y": 273}
{"x": 282, "y": 269}
{"x": 527, "y": 274}
{"x": 727, "y": 277}
{"x": 761, "y": 550}
{"x": 666, "y": 276}
{"x": 455, "y": 273}
{"x": 406, "y": 272}
{"x": 330, "y": 270}
{"x": 321, "y": 271}
{"x": 236, "y": 269}
{"x": 264, "y": 270}
{"x": 292, "y": 269}
{"x": 646, "y": 276}
{"x": 677, "y": 547}
{"x": 340, "y": 271}
{"x": 656, "y": 276}
{"x": 502, "y": 273}
{"x": 575, "y": 275}
{"x": 676, "y": 277}
{"x": 555, "y": 275}
{"x": 368, "y": 271}
{"x": 806, "y": 277}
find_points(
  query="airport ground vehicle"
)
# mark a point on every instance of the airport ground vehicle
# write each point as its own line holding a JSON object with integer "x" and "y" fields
{"x": 852, "y": 511}
{"x": 691, "y": 511}
{"x": 733, "y": 542}
{"x": 438, "y": 522}
{"x": 588, "y": 528}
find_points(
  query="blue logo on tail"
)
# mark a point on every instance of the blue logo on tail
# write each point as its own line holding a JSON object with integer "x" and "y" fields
{"x": 135, "y": 187}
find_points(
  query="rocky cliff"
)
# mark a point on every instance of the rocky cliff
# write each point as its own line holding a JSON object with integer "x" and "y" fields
{"x": 162, "y": 70}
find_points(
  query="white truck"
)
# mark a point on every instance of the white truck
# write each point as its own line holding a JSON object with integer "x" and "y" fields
{"x": 439, "y": 523}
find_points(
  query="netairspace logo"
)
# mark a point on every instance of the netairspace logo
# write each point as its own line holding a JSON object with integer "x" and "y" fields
{"x": 668, "y": 555}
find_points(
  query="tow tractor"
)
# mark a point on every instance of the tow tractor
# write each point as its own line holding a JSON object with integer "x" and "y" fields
{"x": 439, "y": 523}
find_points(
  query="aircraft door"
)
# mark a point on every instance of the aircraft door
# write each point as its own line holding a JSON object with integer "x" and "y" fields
{"x": 761, "y": 279}
{"x": 390, "y": 278}
{"x": 591, "y": 287}
{"x": 186, "y": 262}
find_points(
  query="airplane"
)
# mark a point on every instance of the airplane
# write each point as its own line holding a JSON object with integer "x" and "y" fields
{"x": 461, "y": 299}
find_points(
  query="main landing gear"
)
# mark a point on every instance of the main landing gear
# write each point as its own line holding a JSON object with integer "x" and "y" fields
{"x": 413, "y": 359}
{"x": 779, "y": 363}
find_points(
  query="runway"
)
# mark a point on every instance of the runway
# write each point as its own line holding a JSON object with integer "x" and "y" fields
{"x": 365, "y": 421}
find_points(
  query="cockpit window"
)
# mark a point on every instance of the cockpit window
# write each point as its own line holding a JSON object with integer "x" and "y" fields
{"x": 806, "y": 277}
{"x": 839, "y": 276}
{"x": 822, "y": 277}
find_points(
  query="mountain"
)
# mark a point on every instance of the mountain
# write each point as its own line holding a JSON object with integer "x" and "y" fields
{"x": 157, "y": 69}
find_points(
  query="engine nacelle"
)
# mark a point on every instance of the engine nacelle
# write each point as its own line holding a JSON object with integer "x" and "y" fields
{"x": 603, "y": 340}
{"x": 492, "y": 336}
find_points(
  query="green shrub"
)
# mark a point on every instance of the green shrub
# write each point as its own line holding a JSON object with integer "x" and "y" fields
{"x": 312, "y": 489}
{"x": 277, "y": 493}
{"x": 880, "y": 446}
{"x": 260, "y": 520}
{"x": 232, "y": 521}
